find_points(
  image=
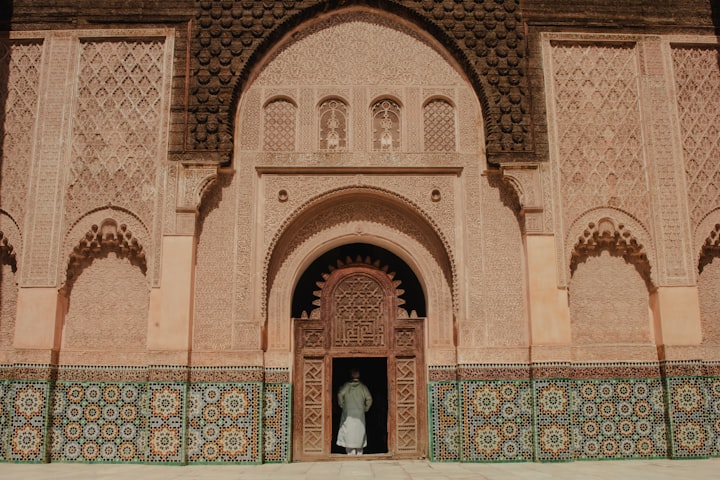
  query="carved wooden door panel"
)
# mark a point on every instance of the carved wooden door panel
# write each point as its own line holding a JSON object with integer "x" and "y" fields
{"x": 358, "y": 317}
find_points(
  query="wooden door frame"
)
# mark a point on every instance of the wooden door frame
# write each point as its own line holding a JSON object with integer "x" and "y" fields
{"x": 316, "y": 338}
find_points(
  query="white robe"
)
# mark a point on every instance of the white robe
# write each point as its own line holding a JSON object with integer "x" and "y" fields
{"x": 355, "y": 399}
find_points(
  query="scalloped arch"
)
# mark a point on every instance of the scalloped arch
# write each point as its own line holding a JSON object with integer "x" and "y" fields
{"x": 705, "y": 239}
{"x": 618, "y": 217}
{"x": 295, "y": 230}
{"x": 10, "y": 240}
{"x": 703, "y": 232}
{"x": 77, "y": 230}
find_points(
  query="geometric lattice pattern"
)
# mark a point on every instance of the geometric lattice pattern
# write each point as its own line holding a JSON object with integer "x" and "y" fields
{"x": 276, "y": 423}
{"x": 691, "y": 430}
{"x": 166, "y": 425}
{"x": 439, "y": 126}
{"x": 444, "y": 422}
{"x": 28, "y": 404}
{"x": 553, "y": 427}
{"x": 697, "y": 80}
{"x": 279, "y": 134}
{"x": 714, "y": 407}
{"x": 116, "y": 130}
{"x": 497, "y": 421}
{"x": 20, "y": 65}
{"x": 360, "y": 312}
{"x": 224, "y": 423}
{"x": 599, "y": 137}
{"x": 98, "y": 422}
{"x": 470, "y": 420}
{"x": 619, "y": 419}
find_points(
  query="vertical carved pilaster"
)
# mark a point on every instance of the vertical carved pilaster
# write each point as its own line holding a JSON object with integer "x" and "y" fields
{"x": 668, "y": 199}
{"x": 40, "y": 256}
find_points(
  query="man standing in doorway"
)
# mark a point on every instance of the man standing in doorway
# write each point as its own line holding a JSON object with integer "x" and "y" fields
{"x": 354, "y": 399}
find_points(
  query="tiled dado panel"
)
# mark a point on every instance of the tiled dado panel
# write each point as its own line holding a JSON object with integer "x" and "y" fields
{"x": 496, "y": 421}
{"x": 565, "y": 419}
{"x": 714, "y": 396}
{"x": 4, "y": 417}
{"x": 553, "y": 419}
{"x": 444, "y": 412}
{"x": 277, "y": 422}
{"x": 692, "y": 430}
{"x": 26, "y": 404}
{"x": 118, "y": 422}
{"x": 619, "y": 418}
{"x": 224, "y": 422}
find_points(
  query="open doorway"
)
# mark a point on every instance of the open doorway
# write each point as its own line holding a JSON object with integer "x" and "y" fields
{"x": 373, "y": 373}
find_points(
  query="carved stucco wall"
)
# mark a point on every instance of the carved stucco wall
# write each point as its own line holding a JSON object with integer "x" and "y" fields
{"x": 598, "y": 131}
{"x": 331, "y": 59}
{"x": 609, "y": 309}
{"x": 485, "y": 37}
{"x": 20, "y": 68}
{"x": 497, "y": 321}
{"x": 696, "y": 71}
{"x": 217, "y": 240}
{"x": 697, "y": 80}
{"x": 117, "y": 127}
{"x": 8, "y": 306}
{"x": 353, "y": 58}
{"x": 106, "y": 320}
{"x": 20, "y": 74}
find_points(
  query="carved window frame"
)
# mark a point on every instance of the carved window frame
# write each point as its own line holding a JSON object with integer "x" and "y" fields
{"x": 396, "y": 146}
{"x": 344, "y": 143}
{"x": 266, "y": 104}
{"x": 455, "y": 120}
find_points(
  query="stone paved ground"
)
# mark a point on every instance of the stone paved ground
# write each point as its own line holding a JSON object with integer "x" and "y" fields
{"x": 378, "y": 469}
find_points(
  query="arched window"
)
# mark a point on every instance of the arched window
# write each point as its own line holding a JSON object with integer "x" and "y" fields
{"x": 279, "y": 135}
{"x": 439, "y": 126}
{"x": 333, "y": 115}
{"x": 386, "y": 125}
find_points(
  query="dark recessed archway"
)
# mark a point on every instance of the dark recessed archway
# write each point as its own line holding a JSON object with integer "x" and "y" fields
{"x": 303, "y": 295}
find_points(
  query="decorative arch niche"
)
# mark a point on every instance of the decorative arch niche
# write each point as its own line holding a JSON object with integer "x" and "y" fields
{"x": 366, "y": 216}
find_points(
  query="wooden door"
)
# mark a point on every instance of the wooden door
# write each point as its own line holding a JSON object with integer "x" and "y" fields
{"x": 359, "y": 315}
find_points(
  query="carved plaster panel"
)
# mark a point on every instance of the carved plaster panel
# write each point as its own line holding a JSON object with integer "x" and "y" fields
{"x": 697, "y": 89}
{"x": 358, "y": 52}
{"x": 89, "y": 135}
{"x": 486, "y": 36}
{"x": 108, "y": 308}
{"x": 217, "y": 245}
{"x": 417, "y": 188}
{"x": 343, "y": 52}
{"x": 609, "y": 306}
{"x": 596, "y": 126}
{"x": 20, "y": 68}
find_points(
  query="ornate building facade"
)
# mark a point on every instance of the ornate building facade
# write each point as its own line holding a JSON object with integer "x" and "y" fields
{"x": 506, "y": 213}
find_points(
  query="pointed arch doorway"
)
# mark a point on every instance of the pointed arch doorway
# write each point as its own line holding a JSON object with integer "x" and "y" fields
{"x": 359, "y": 321}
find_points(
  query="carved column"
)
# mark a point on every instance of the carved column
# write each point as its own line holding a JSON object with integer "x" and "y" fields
{"x": 39, "y": 307}
{"x": 171, "y": 305}
{"x": 547, "y": 304}
{"x": 675, "y": 303}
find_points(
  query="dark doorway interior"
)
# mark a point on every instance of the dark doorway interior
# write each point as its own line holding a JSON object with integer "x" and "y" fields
{"x": 373, "y": 373}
